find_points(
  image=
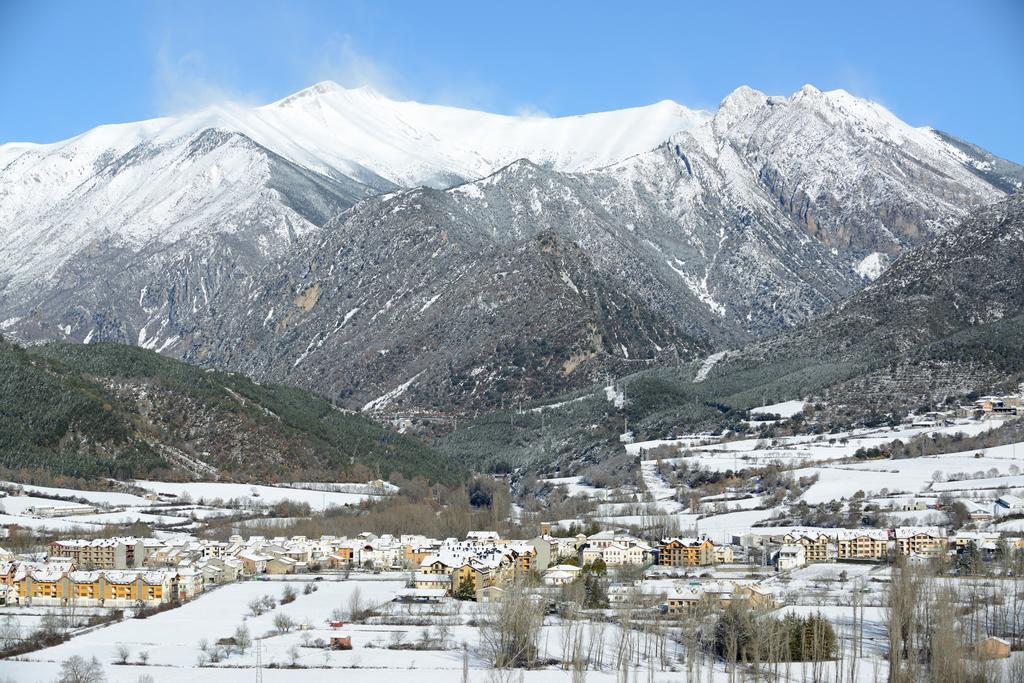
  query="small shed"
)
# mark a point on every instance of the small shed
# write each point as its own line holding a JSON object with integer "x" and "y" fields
{"x": 341, "y": 642}
{"x": 993, "y": 648}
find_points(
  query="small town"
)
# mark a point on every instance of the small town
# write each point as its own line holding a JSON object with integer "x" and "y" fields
{"x": 127, "y": 572}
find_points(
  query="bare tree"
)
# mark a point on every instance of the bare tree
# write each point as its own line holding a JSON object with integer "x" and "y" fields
{"x": 945, "y": 647}
{"x": 77, "y": 669}
{"x": 10, "y": 631}
{"x": 355, "y": 604}
{"x": 904, "y": 596}
{"x": 283, "y": 623}
{"x": 243, "y": 639}
{"x": 510, "y": 636}
{"x": 579, "y": 664}
{"x": 256, "y": 607}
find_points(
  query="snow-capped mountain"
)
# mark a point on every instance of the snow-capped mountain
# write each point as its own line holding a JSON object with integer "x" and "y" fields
{"x": 288, "y": 240}
{"x": 164, "y": 179}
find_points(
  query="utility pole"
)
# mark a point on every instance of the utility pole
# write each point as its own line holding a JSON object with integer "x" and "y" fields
{"x": 259, "y": 660}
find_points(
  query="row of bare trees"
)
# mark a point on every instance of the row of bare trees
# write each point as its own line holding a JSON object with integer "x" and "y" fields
{"x": 935, "y": 626}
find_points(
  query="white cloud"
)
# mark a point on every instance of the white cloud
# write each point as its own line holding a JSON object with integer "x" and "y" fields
{"x": 182, "y": 83}
{"x": 344, "y": 64}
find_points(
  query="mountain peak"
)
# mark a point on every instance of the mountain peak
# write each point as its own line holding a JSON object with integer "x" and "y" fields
{"x": 737, "y": 105}
{"x": 742, "y": 97}
{"x": 325, "y": 88}
{"x": 807, "y": 90}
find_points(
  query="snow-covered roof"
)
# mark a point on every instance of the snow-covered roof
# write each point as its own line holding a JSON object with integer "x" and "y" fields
{"x": 911, "y": 531}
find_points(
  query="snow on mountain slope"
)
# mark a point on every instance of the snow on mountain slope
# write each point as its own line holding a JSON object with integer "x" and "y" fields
{"x": 163, "y": 179}
{"x": 410, "y": 143}
{"x": 136, "y": 194}
{"x": 359, "y": 132}
{"x": 848, "y": 172}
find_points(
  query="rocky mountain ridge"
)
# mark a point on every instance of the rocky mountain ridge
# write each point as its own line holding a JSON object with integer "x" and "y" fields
{"x": 627, "y": 240}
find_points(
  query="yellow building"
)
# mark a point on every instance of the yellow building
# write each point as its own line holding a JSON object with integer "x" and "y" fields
{"x": 524, "y": 559}
{"x": 478, "y": 577}
{"x": 866, "y": 544}
{"x": 686, "y": 552}
{"x": 817, "y": 547}
{"x": 414, "y": 556}
{"x": 88, "y": 588}
{"x": 925, "y": 541}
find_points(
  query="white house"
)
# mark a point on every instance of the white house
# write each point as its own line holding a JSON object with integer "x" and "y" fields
{"x": 561, "y": 574}
{"x": 791, "y": 556}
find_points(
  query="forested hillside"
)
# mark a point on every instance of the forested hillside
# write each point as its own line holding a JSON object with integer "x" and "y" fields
{"x": 107, "y": 410}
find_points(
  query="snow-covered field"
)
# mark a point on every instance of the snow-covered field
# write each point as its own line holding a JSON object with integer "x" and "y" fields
{"x": 797, "y": 450}
{"x": 785, "y": 409}
{"x": 912, "y": 475}
{"x": 979, "y": 475}
{"x": 94, "y": 497}
{"x": 255, "y": 494}
{"x": 195, "y": 502}
{"x": 172, "y": 639}
{"x": 574, "y": 487}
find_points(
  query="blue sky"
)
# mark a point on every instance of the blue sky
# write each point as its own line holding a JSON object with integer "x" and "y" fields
{"x": 68, "y": 66}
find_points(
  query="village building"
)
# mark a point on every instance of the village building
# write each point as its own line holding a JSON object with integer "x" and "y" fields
{"x": 928, "y": 542}
{"x": 561, "y": 574}
{"x": 818, "y": 547}
{"x": 686, "y": 552}
{"x": 683, "y": 598}
{"x": 862, "y": 544}
{"x": 65, "y": 510}
{"x": 791, "y": 556}
{"x": 102, "y": 553}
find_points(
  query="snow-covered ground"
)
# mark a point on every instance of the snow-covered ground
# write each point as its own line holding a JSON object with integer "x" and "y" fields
{"x": 172, "y": 638}
{"x": 981, "y": 475}
{"x": 785, "y": 409}
{"x": 254, "y": 494}
{"x": 94, "y": 497}
{"x": 574, "y": 486}
{"x": 910, "y": 475}
{"x": 797, "y": 450}
{"x": 117, "y": 508}
{"x": 172, "y": 641}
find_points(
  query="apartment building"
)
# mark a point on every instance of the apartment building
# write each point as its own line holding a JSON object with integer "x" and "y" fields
{"x": 686, "y": 552}
{"x": 101, "y": 553}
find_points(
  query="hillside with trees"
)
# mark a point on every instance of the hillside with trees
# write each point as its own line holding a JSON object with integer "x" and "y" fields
{"x": 108, "y": 410}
